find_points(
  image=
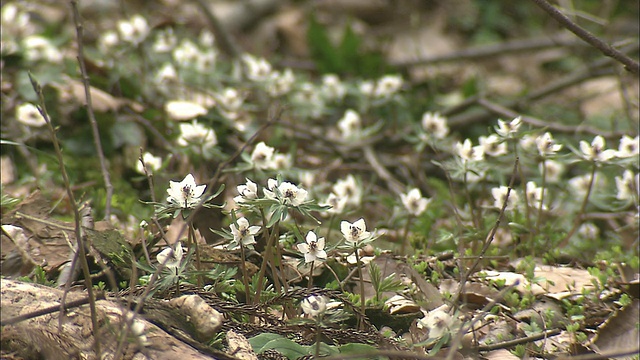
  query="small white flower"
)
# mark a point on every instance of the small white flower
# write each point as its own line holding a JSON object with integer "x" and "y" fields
{"x": 313, "y": 248}
{"x": 546, "y": 145}
{"x": 350, "y": 125}
{"x": 281, "y": 83}
{"x": 230, "y": 99}
{"x": 387, "y": 86}
{"x": 184, "y": 110}
{"x": 248, "y": 191}
{"x": 528, "y": 143}
{"x": 258, "y": 69}
{"x": 205, "y": 61}
{"x": 589, "y": 231}
{"x": 354, "y": 232}
{"x": 534, "y": 195}
{"x": 580, "y": 184}
{"x": 108, "y": 41}
{"x": 628, "y": 147}
{"x": 186, "y": 53}
{"x": 291, "y": 194}
{"x": 414, "y": 202}
{"x": 243, "y": 233}
{"x": 40, "y": 48}
{"x": 336, "y": 202}
{"x": 166, "y": 73}
{"x": 468, "y": 152}
{"x": 171, "y": 258}
{"x": 507, "y": 129}
{"x": 206, "y": 38}
{"x": 29, "y": 115}
{"x": 314, "y": 305}
{"x": 628, "y": 186}
{"x": 262, "y": 156}
{"x": 438, "y": 321}
{"x": 349, "y": 189}
{"x": 492, "y": 145}
{"x": 153, "y": 163}
{"x": 367, "y": 88}
{"x": 135, "y": 30}
{"x": 186, "y": 193}
{"x": 197, "y": 134}
{"x": 332, "y": 88}
{"x": 553, "y": 170}
{"x": 435, "y": 124}
{"x": 500, "y": 194}
{"x": 596, "y": 151}
{"x": 281, "y": 161}
{"x": 165, "y": 41}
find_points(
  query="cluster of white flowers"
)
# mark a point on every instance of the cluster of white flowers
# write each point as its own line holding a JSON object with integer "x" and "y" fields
{"x": 189, "y": 55}
{"x": 285, "y": 192}
{"x": 134, "y": 30}
{"x": 38, "y": 48}
{"x": 265, "y": 157}
{"x": 383, "y": 88}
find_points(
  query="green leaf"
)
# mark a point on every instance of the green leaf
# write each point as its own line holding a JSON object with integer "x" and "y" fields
{"x": 355, "y": 348}
{"x": 323, "y": 52}
{"x": 286, "y": 347}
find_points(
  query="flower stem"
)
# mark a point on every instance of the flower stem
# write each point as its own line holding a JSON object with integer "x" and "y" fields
{"x": 403, "y": 245}
{"x": 310, "y": 284}
{"x": 192, "y": 240}
{"x": 245, "y": 275}
{"x": 578, "y": 217}
{"x": 362, "y": 305}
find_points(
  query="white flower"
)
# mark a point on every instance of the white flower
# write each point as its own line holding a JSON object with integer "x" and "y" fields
{"x": 40, "y": 48}
{"x": 414, "y": 202}
{"x": 230, "y": 99}
{"x": 108, "y": 41}
{"x": 166, "y": 73}
{"x": 262, "y": 156}
{"x": 291, "y": 194}
{"x": 336, "y": 202}
{"x": 506, "y": 129}
{"x": 332, "y": 88}
{"x": 534, "y": 195}
{"x": 248, "y": 191}
{"x": 438, "y": 321}
{"x": 528, "y": 142}
{"x": 349, "y": 189}
{"x": 354, "y": 232}
{"x": 553, "y": 170}
{"x": 546, "y": 145}
{"x": 205, "y": 61}
{"x": 468, "y": 152}
{"x": 435, "y": 124}
{"x": 313, "y": 249}
{"x": 197, "y": 134}
{"x": 258, "y": 69}
{"x": 184, "y": 110}
{"x": 135, "y": 30}
{"x": 596, "y": 151}
{"x": 314, "y": 305}
{"x": 387, "y": 86}
{"x": 492, "y": 145}
{"x": 628, "y": 146}
{"x": 165, "y": 41}
{"x": 153, "y": 163}
{"x": 171, "y": 258}
{"x": 281, "y": 83}
{"x": 367, "y": 88}
{"x": 500, "y": 194}
{"x": 206, "y": 38}
{"x": 186, "y": 53}
{"x": 243, "y": 233}
{"x": 186, "y": 193}
{"x": 589, "y": 231}
{"x": 281, "y": 161}
{"x": 350, "y": 125}
{"x": 29, "y": 115}
{"x": 628, "y": 186}
{"x": 580, "y": 184}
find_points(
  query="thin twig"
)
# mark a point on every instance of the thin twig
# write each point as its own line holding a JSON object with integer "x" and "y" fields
{"x": 393, "y": 183}
{"x": 92, "y": 118}
{"x": 82, "y": 256}
{"x": 50, "y": 310}
{"x": 606, "y": 49}
{"x": 511, "y": 343}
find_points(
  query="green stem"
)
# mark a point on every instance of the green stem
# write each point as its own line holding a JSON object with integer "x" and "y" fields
{"x": 403, "y": 246}
{"x": 543, "y": 185}
{"x": 245, "y": 275}
{"x": 192, "y": 239}
{"x": 362, "y": 305}
{"x": 583, "y": 207}
{"x": 310, "y": 284}
{"x": 267, "y": 255}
